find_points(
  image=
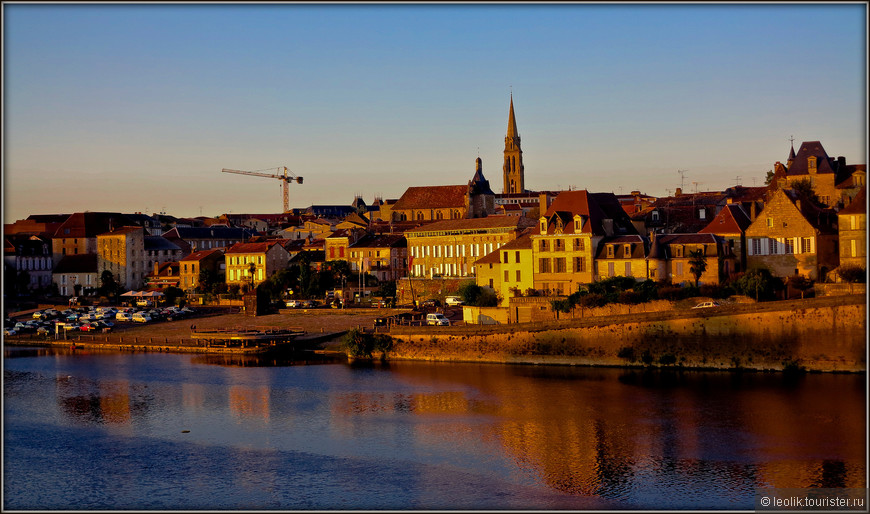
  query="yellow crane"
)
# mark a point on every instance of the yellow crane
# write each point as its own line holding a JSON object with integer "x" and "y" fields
{"x": 286, "y": 178}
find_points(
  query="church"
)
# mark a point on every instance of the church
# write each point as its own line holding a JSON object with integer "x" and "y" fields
{"x": 474, "y": 199}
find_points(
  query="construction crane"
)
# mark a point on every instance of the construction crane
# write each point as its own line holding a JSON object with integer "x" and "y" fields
{"x": 286, "y": 178}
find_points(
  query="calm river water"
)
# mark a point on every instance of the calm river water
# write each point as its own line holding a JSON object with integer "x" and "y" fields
{"x": 122, "y": 431}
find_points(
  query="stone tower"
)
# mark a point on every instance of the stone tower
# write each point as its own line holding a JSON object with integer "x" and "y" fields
{"x": 514, "y": 178}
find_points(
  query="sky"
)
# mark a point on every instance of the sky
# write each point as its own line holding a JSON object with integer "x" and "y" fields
{"x": 138, "y": 107}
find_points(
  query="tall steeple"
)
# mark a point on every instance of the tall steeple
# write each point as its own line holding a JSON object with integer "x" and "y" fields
{"x": 514, "y": 176}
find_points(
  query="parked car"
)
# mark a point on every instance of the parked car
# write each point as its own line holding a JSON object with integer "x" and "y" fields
{"x": 145, "y": 303}
{"x": 706, "y": 305}
{"x": 9, "y": 331}
{"x": 336, "y": 304}
{"x": 437, "y": 319}
{"x": 124, "y": 316}
{"x": 292, "y": 304}
{"x": 431, "y": 303}
{"x": 88, "y": 327}
{"x": 453, "y": 300}
{"x": 43, "y": 331}
{"x": 141, "y": 318}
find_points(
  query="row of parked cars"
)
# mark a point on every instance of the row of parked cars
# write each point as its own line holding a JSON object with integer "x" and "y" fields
{"x": 87, "y": 319}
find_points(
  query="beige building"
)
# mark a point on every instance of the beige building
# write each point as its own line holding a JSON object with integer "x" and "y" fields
{"x": 193, "y": 264}
{"x": 122, "y": 252}
{"x": 792, "y": 236}
{"x": 451, "y": 248}
{"x": 853, "y": 232}
{"x": 833, "y": 181}
{"x": 266, "y": 258}
{"x": 383, "y": 255}
{"x": 508, "y": 271}
{"x": 670, "y": 258}
{"x": 622, "y": 256}
{"x": 565, "y": 242}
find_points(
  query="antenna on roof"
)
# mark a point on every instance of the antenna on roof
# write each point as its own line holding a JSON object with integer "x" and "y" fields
{"x": 682, "y": 177}
{"x": 737, "y": 180}
{"x": 791, "y": 140}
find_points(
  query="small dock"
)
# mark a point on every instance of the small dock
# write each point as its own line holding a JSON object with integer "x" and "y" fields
{"x": 246, "y": 337}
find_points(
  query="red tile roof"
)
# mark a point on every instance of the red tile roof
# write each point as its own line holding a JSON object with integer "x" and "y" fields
{"x": 730, "y": 220}
{"x": 202, "y": 254}
{"x": 474, "y": 223}
{"x": 432, "y": 197}
{"x": 252, "y": 247}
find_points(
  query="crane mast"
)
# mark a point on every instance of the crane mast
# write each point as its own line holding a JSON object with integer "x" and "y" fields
{"x": 286, "y": 178}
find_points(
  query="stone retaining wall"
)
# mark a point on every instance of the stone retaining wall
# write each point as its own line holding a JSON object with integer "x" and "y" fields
{"x": 823, "y": 334}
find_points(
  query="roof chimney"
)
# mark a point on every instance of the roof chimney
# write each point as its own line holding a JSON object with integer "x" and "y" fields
{"x": 678, "y": 192}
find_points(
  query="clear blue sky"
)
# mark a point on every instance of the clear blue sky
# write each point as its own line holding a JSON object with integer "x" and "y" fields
{"x": 138, "y": 107}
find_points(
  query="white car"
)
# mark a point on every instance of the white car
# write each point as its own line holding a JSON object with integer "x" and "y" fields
{"x": 706, "y": 305}
{"x": 453, "y": 300}
{"x": 437, "y": 319}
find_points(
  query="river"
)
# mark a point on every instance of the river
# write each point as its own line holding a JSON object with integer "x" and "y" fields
{"x": 99, "y": 430}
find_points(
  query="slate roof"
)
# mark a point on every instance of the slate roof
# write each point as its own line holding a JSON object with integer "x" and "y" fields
{"x": 89, "y": 224}
{"x": 81, "y": 263}
{"x": 432, "y": 197}
{"x": 638, "y": 244}
{"x": 381, "y": 241}
{"x": 219, "y": 232}
{"x": 824, "y": 164}
{"x": 661, "y": 245}
{"x": 160, "y": 243}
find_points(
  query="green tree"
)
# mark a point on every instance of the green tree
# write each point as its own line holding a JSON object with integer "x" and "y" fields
{"x": 805, "y": 189}
{"x": 758, "y": 283}
{"x": 852, "y": 273}
{"x": 769, "y": 178}
{"x": 469, "y": 292}
{"x": 697, "y": 264}
{"x": 172, "y": 294}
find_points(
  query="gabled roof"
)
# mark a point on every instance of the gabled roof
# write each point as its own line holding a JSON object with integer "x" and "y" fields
{"x": 202, "y": 254}
{"x": 660, "y": 248}
{"x": 638, "y": 249}
{"x": 595, "y": 207}
{"x": 858, "y": 204}
{"x": 218, "y": 232}
{"x": 252, "y": 247}
{"x": 432, "y": 197}
{"x": 81, "y": 263}
{"x": 523, "y": 242}
{"x": 89, "y": 224}
{"x": 730, "y": 220}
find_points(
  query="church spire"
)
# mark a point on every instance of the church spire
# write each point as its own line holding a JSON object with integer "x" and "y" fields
{"x": 514, "y": 176}
{"x": 791, "y": 154}
{"x": 512, "y": 122}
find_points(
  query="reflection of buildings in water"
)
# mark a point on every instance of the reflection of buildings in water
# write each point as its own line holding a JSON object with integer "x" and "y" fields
{"x": 249, "y": 402}
{"x": 193, "y": 396}
{"x": 103, "y": 401}
{"x": 585, "y": 432}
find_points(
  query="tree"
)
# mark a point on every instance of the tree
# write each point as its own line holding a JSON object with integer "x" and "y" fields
{"x": 108, "y": 286}
{"x": 852, "y": 274}
{"x": 469, "y": 292}
{"x": 252, "y": 268}
{"x": 769, "y": 178}
{"x": 801, "y": 283}
{"x": 208, "y": 279}
{"x": 171, "y": 294}
{"x": 805, "y": 189}
{"x": 758, "y": 283}
{"x": 697, "y": 264}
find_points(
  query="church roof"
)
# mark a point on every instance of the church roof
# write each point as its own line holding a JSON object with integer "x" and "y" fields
{"x": 512, "y": 121}
{"x": 432, "y": 197}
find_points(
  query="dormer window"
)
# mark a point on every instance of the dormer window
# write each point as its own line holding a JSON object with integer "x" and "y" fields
{"x": 811, "y": 164}
{"x": 609, "y": 251}
{"x": 702, "y": 213}
{"x": 655, "y": 215}
{"x": 543, "y": 225}
{"x": 626, "y": 250}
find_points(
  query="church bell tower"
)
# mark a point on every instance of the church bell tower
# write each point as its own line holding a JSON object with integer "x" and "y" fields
{"x": 514, "y": 177}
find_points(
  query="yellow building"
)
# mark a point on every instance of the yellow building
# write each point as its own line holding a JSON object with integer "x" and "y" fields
{"x": 568, "y": 233}
{"x": 623, "y": 256}
{"x": 509, "y": 270}
{"x": 193, "y": 264}
{"x": 670, "y": 256}
{"x": 266, "y": 258}
{"x": 450, "y": 248}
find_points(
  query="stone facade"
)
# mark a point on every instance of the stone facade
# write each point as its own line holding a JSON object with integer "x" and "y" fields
{"x": 267, "y": 258}
{"x": 852, "y": 223}
{"x": 122, "y": 252}
{"x": 791, "y": 236}
{"x": 193, "y": 264}
{"x": 624, "y": 256}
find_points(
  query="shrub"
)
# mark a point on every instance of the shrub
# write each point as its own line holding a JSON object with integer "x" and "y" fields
{"x": 627, "y": 353}
{"x": 593, "y": 300}
{"x": 629, "y": 298}
{"x": 853, "y": 274}
{"x": 646, "y": 357}
{"x": 667, "y": 359}
{"x": 357, "y": 343}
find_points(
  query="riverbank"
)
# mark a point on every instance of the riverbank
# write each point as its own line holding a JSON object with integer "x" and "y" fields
{"x": 820, "y": 334}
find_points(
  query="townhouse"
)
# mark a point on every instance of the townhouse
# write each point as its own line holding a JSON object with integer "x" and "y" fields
{"x": 793, "y": 236}
{"x": 75, "y": 274}
{"x": 383, "y": 255}
{"x": 567, "y": 237}
{"x": 623, "y": 256}
{"x": 852, "y": 223}
{"x": 252, "y": 263}
{"x": 731, "y": 224}
{"x": 670, "y": 258}
{"x": 197, "y": 262}
{"x": 833, "y": 181}
{"x": 509, "y": 270}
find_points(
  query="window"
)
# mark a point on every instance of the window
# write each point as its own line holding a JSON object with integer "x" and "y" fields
{"x": 544, "y": 245}
{"x": 769, "y": 222}
{"x": 678, "y": 250}
{"x": 579, "y": 245}
{"x": 558, "y": 245}
{"x": 854, "y": 248}
{"x": 807, "y": 245}
{"x": 505, "y": 258}
{"x": 506, "y": 275}
{"x": 702, "y": 213}
{"x": 628, "y": 269}
{"x": 340, "y": 252}
{"x": 626, "y": 251}
{"x": 853, "y": 222}
{"x": 559, "y": 265}
{"x": 773, "y": 245}
{"x": 518, "y": 275}
{"x": 679, "y": 269}
{"x": 579, "y": 264}
{"x": 517, "y": 257}
{"x": 611, "y": 271}
{"x": 544, "y": 265}
{"x": 789, "y": 246}
{"x": 655, "y": 215}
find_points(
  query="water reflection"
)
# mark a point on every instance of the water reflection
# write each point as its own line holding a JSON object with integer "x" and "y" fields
{"x": 634, "y": 439}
